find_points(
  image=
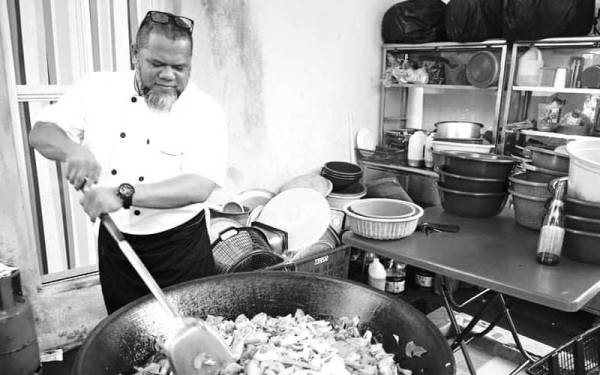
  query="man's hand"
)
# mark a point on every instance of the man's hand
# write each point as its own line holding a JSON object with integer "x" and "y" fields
{"x": 99, "y": 200}
{"x": 81, "y": 165}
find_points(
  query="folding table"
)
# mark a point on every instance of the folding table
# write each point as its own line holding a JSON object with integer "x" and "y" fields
{"x": 495, "y": 254}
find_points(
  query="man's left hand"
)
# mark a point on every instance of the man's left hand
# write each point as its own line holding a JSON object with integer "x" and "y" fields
{"x": 99, "y": 200}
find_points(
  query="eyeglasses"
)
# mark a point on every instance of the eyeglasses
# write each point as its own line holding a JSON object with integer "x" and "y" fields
{"x": 166, "y": 18}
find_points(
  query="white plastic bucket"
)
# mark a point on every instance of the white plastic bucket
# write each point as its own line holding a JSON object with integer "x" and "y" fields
{"x": 584, "y": 170}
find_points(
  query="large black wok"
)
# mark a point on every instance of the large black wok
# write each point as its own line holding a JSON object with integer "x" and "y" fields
{"x": 127, "y": 336}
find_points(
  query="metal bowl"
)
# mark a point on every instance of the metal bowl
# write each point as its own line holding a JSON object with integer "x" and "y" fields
{"x": 471, "y": 204}
{"x": 582, "y": 246}
{"x": 578, "y": 207}
{"x": 128, "y": 336}
{"x": 549, "y": 159}
{"x": 470, "y": 184}
{"x": 524, "y": 183}
{"x": 582, "y": 223}
{"x": 458, "y": 129}
{"x": 540, "y": 173}
{"x": 475, "y": 164}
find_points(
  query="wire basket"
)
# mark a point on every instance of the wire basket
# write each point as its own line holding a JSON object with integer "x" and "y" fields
{"x": 332, "y": 262}
{"x": 243, "y": 249}
{"x": 580, "y": 356}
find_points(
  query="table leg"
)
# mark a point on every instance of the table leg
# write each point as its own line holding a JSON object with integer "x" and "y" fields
{"x": 462, "y": 334}
{"x": 458, "y": 331}
{"x": 513, "y": 330}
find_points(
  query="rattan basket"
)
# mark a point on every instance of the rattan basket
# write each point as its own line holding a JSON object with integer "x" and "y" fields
{"x": 383, "y": 229}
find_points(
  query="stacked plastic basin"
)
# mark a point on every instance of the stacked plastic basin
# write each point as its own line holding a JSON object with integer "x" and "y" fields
{"x": 582, "y": 220}
{"x": 531, "y": 191}
{"x": 473, "y": 184}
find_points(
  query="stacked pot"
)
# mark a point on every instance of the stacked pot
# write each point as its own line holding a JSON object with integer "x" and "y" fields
{"x": 347, "y": 188}
{"x": 582, "y": 209}
{"x": 530, "y": 189}
{"x": 473, "y": 184}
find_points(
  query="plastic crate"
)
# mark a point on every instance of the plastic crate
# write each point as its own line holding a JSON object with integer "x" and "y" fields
{"x": 580, "y": 356}
{"x": 333, "y": 262}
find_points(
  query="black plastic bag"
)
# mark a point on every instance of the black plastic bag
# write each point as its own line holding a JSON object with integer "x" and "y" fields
{"x": 473, "y": 20}
{"x": 414, "y": 21}
{"x": 538, "y": 19}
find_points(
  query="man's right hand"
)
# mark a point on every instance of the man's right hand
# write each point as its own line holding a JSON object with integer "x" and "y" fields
{"x": 81, "y": 165}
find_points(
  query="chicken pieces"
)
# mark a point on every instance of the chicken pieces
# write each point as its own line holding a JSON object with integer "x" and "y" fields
{"x": 294, "y": 344}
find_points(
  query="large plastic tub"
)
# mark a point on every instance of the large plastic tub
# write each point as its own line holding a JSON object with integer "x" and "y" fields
{"x": 584, "y": 169}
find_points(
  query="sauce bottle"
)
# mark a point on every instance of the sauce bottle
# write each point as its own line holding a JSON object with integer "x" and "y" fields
{"x": 553, "y": 232}
{"x": 395, "y": 279}
{"x": 377, "y": 274}
{"x": 416, "y": 149}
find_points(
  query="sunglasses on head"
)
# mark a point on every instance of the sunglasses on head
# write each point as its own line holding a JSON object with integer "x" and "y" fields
{"x": 166, "y": 18}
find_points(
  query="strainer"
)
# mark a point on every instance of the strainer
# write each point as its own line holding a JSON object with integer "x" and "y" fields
{"x": 243, "y": 249}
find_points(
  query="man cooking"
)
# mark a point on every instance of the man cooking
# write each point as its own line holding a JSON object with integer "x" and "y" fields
{"x": 149, "y": 147}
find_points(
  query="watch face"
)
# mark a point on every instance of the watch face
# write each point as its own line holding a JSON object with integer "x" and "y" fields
{"x": 126, "y": 190}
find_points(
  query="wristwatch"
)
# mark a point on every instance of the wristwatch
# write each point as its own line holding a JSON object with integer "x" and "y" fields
{"x": 125, "y": 192}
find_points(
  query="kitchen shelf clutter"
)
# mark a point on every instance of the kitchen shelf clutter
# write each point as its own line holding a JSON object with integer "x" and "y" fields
{"x": 426, "y": 83}
{"x": 543, "y": 91}
{"x": 553, "y": 93}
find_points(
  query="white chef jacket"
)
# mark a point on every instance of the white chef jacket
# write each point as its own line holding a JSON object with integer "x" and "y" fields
{"x": 135, "y": 144}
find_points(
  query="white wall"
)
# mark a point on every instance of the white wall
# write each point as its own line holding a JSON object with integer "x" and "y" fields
{"x": 293, "y": 76}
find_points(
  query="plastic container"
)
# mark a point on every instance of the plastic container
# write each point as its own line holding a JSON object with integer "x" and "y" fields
{"x": 334, "y": 262}
{"x": 416, "y": 149}
{"x": 377, "y": 274}
{"x": 578, "y": 356}
{"x": 584, "y": 170}
{"x": 529, "y": 70}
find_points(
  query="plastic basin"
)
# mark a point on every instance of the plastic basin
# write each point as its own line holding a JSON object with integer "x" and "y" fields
{"x": 583, "y": 224}
{"x": 475, "y": 164}
{"x": 532, "y": 185}
{"x": 578, "y": 207}
{"x": 529, "y": 210}
{"x": 471, "y": 204}
{"x": 584, "y": 170}
{"x": 470, "y": 184}
{"x": 581, "y": 246}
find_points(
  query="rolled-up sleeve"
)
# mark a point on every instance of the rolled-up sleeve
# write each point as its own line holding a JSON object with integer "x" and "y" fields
{"x": 69, "y": 111}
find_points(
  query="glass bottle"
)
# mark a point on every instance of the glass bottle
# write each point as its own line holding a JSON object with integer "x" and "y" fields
{"x": 395, "y": 279}
{"x": 552, "y": 232}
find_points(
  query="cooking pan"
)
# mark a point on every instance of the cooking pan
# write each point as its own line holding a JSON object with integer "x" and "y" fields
{"x": 128, "y": 336}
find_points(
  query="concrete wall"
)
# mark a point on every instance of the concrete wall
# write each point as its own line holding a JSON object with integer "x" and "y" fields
{"x": 297, "y": 79}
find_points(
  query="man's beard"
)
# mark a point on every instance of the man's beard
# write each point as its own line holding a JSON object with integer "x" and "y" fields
{"x": 161, "y": 102}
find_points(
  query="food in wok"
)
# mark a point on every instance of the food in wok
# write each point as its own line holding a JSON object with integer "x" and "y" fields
{"x": 293, "y": 344}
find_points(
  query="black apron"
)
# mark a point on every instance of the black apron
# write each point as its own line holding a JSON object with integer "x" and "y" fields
{"x": 173, "y": 256}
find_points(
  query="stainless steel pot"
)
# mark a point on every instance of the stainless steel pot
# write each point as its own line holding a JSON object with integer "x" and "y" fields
{"x": 458, "y": 129}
